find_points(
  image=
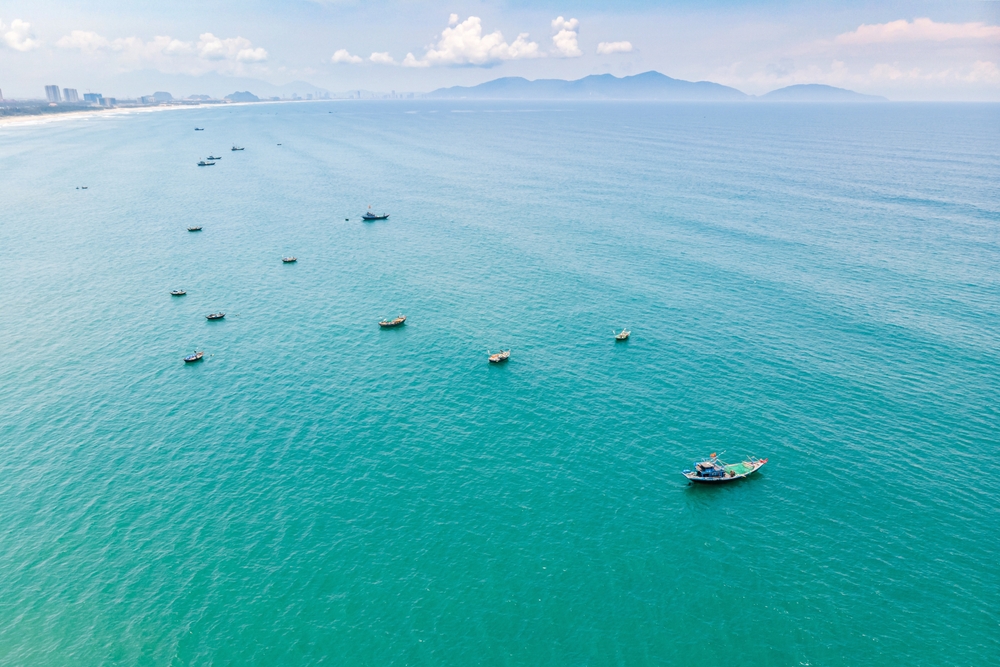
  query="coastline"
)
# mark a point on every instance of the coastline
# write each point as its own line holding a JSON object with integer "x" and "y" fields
{"x": 83, "y": 114}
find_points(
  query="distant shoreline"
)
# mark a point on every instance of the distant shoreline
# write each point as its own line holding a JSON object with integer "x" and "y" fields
{"x": 79, "y": 114}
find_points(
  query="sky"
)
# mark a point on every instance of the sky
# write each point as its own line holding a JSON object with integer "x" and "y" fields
{"x": 935, "y": 51}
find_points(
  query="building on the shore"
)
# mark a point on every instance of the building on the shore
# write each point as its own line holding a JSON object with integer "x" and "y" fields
{"x": 52, "y": 93}
{"x": 93, "y": 98}
{"x": 71, "y": 96}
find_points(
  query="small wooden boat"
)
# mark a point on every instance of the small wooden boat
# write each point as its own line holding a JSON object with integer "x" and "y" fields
{"x": 499, "y": 356}
{"x": 388, "y": 324}
{"x": 715, "y": 471}
{"x": 622, "y": 335}
{"x": 215, "y": 316}
{"x": 178, "y": 292}
{"x": 202, "y": 163}
{"x": 289, "y": 260}
{"x": 191, "y": 358}
{"x": 237, "y": 148}
{"x": 194, "y": 229}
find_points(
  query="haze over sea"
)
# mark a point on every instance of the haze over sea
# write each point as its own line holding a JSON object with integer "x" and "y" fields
{"x": 814, "y": 284}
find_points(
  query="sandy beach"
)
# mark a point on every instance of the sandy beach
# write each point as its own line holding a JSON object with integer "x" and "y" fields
{"x": 86, "y": 114}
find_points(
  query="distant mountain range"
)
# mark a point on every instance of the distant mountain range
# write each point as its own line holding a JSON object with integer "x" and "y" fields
{"x": 651, "y": 86}
{"x": 815, "y": 92}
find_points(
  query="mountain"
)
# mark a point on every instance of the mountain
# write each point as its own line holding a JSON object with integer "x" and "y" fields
{"x": 815, "y": 92}
{"x": 646, "y": 86}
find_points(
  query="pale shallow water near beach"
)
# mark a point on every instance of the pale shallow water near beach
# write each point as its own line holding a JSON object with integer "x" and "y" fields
{"x": 814, "y": 284}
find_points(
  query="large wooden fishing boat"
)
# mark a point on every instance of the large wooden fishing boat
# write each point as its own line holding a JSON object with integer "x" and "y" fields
{"x": 716, "y": 471}
{"x": 388, "y": 324}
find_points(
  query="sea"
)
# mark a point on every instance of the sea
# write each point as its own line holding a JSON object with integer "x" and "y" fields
{"x": 814, "y": 284}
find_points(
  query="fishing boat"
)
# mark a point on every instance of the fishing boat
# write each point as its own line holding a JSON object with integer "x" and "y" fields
{"x": 199, "y": 129}
{"x": 374, "y": 216}
{"x": 388, "y": 324}
{"x": 212, "y": 157}
{"x": 715, "y": 471}
{"x": 215, "y": 316}
{"x": 191, "y": 358}
{"x": 178, "y": 292}
{"x": 237, "y": 148}
{"x": 202, "y": 163}
{"x": 499, "y": 356}
{"x": 622, "y": 335}
{"x": 289, "y": 260}
{"x": 194, "y": 229}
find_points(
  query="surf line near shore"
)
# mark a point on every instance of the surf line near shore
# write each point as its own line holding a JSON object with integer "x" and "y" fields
{"x": 86, "y": 114}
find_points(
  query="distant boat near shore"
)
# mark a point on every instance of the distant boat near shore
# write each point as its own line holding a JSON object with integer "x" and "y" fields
{"x": 203, "y": 163}
{"x": 237, "y": 148}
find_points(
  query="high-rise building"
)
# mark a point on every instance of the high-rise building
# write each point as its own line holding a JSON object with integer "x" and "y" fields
{"x": 70, "y": 95}
{"x": 93, "y": 98}
{"x": 52, "y": 92}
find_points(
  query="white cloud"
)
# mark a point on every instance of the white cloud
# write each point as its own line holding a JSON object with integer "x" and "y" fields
{"x": 565, "y": 38}
{"x": 382, "y": 58}
{"x": 343, "y": 56}
{"x": 209, "y": 53}
{"x": 918, "y": 30}
{"x": 607, "y": 48}
{"x": 19, "y": 36}
{"x": 983, "y": 70}
{"x": 411, "y": 61}
{"x": 464, "y": 44}
{"x": 82, "y": 40}
{"x": 240, "y": 49}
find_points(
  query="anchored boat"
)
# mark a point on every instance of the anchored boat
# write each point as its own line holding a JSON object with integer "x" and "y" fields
{"x": 289, "y": 260}
{"x": 387, "y": 324}
{"x": 237, "y": 148}
{"x": 197, "y": 356}
{"x": 374, "y": 216}
{"x": 621, "y": 335}
{"x": 178, "y": 292}
{"x": 202, "y": 163}
{"x": 194, "y": 229}
{"x": 715, "y": 471}
{"x": 499, "y": 356}
{"x": 215, "y": 316}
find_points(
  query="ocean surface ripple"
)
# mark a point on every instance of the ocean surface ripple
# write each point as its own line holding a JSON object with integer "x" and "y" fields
{"x": 815, "y": 284}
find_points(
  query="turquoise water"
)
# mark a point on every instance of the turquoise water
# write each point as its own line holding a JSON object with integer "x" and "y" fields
{"x": 818, "y": 285}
